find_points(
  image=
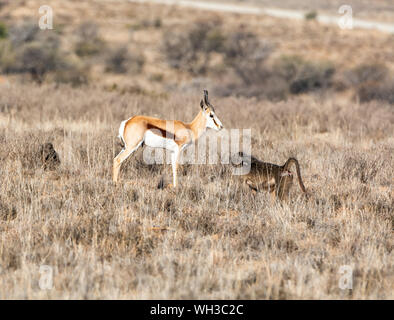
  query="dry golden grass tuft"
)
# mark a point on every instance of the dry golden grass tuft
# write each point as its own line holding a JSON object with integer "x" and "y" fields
{"x": 210, "y": 239}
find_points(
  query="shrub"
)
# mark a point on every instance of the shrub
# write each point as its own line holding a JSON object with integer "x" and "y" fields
{"x": 3, "y": 31}
{"x": 37, "y": 61}
{"x": 89, "y": 41}
{"x": 377, "y": 91}
{"x": 39, "y": 55}
{"x": 7, "y": 57}
{"x": 121, "y": 60}
{"x": 245, "y": 54}
{"x": 303, "y": 76}
{"x": 371, "y": 82}
{"x": 287, "y": 75}
{"x": 22, "y": 33}
{"x": 84, "y": 49}
{"x": 191, "y": 50}
{"x": 29, "y": 50}
{"x": 145, "y": 24}
{"x": 71, "y": 72}
{"x": 117, "y": 61}
{"x": 366, "y": 73}
{"x": 36, "y": 52}
{"x": 157, "y": 23}
{"x": 311, "y": 15}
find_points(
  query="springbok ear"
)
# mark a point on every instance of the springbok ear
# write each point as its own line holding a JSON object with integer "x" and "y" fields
{"x": 202, "y": 104}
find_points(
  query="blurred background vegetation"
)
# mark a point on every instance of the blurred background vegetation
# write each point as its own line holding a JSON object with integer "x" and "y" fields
{"x": 153, "y": 53}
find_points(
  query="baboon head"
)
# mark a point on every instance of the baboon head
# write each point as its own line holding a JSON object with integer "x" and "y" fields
{"x": 243, "y": 159}
{"x": 49, "y": 156}
{"x": 213, "y": 121}
{"x": 47, "y": 148}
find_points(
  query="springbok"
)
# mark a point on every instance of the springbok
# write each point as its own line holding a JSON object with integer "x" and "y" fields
{"x": 171, "y": 135}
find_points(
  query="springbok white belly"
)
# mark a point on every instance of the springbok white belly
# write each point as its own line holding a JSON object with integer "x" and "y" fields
{"x": 156, "y": 141}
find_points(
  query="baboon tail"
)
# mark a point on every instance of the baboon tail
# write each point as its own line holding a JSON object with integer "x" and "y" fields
{"x": 286, "y": 166}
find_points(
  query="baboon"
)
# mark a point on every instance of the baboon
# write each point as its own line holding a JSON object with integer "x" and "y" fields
{"x": 270, "y": 177}
{"x": 49, "y": 157}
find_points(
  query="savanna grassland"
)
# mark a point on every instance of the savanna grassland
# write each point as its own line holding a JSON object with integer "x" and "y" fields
{"x": 320, "y": 94}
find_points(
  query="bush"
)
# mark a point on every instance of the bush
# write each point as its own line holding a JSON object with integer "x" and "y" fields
{"x": 377, "y": 91}
{"x": 3, "y": 31}
{"x": 371, "y": 82}
{"x": 72, "y": 72}
{"x": 30, "y": 50}
{"x": 190, "y": 50}
{"x": 303, "y": 76}
{"x": 311, "y": 15}
{"x": 366, "y": 73}
{"x": 157, "y": 23}
{"x": 287, "y": 75}
{"x": 121, "y": 61}
{"x": 242, "y": 53}
{"x": 37, "y": 61}
{"x": 89, "y": 41}
{"x": 245, "y": 54}
{"x": 22, "y": 33}
{"x": 7, "y": 57}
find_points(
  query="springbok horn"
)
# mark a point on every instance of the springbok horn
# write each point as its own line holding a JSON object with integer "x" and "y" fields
{"x": 206, "y": 98}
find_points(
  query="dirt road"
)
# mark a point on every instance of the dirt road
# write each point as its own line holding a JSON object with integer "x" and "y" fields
{"x": 280, "y": 13}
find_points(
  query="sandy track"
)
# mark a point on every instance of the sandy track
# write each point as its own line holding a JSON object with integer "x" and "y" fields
{"x": 274, "y": 12}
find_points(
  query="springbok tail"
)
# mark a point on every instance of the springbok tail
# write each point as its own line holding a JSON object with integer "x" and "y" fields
{"x": 121, "y": 132}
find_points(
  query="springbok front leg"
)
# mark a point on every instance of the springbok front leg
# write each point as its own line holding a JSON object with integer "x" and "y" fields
{"x": 174, "y": 164}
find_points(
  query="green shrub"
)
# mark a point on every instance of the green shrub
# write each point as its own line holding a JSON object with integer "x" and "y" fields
{"x": 157, "y": 23}
{"x": 7, "y": 57}
{"x": 3, "y": 31}
{"x": 311, "y": 15}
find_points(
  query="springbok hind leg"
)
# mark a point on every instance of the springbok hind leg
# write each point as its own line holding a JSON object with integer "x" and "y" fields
{"x": 122, "y": 156}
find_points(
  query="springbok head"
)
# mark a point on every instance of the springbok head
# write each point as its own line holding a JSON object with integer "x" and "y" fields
{"x": 213, "y": 121}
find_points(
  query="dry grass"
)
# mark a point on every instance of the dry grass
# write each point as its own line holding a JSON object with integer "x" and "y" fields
{"x": 213, "y": 238}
